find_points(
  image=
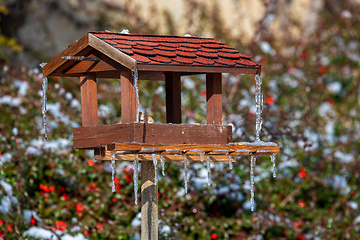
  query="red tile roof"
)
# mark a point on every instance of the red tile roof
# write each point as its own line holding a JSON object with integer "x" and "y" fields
{"x": 174, "y": 50}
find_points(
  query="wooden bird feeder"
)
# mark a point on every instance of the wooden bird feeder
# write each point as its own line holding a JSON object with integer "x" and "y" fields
{"x": 154, "y": 57}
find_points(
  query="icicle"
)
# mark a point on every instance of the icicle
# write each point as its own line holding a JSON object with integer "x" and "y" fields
{"x": 202, "y": 156}
{"x": 230, "y": 162}
{"x": 155, "y": 167}
{"x": 162, "y": 164}
{"x": 273, "y": 156}
{"x": 186, "y": 172}
{"x": 113, "y": 170}
{"x": 44, "y": 108}
{"x": 136, "y": 176}
{"x": 252, "y": 193}
{"x": 259, "y": 106}
{"x": 135, "y": 78}
{"x": 208, "y": 169}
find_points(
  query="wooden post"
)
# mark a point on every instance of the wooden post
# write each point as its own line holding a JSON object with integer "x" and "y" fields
{"x": 173, "y": 97}
{"x": 128, "y": 98}
{"x": 89, "y": 105}
{"x": 149, "y": 202}
{"x": 213, "y": 98}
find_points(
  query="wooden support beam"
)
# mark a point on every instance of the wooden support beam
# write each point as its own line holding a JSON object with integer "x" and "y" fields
{"x": 89, "y": 104}
{"x": 173, "y": 97}
{"x": 128, "y": 97}
{"x": 213, "y": 98}
{"x": 149, "y": 202}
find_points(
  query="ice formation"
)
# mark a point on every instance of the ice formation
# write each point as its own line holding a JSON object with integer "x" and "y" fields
{"x": 135, "y": 78}
{"x": 208, "y": 169}
{"x": 136, "y": 176}
{"x": 186, "y": 172}
{"x": 252, "y": 193}
{"x": 230, "y": 162}
{"x": 259, "y": 106}
{"x": 44, "y": 108}
{"x": 162, "y": 164}
{"x": 155, "y": 167}
{"x": 113, "y": 170}
{"x": 273, "y": 156}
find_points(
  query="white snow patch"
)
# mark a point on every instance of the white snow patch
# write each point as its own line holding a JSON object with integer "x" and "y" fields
{"x": 266, "y": 48}
{"x": 37, "y": 232}
{"x": 334, "y": 87}
{"x": 136, "y": 222}
{"x": 15, "y": 102}
{"x": 6, "y": 157}
{"x": 344, "y": 157}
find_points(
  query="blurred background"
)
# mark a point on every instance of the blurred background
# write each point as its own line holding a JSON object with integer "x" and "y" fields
{"x": 309, "y": 52}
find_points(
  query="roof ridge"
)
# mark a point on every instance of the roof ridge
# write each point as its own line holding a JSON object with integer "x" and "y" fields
{"x": 151, "y": 35}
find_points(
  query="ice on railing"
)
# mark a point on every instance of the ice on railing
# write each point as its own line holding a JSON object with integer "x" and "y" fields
{"x": 148, "y": 149}
{"x": 256, "y": 143}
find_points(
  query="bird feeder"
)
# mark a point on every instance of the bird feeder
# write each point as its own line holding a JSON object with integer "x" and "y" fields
{"x": 130, "y": 57}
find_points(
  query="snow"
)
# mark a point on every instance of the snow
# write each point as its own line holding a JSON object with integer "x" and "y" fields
{"x": 354, "y": 205}
{"x": 37, "y": 232}
{"x": 125, "y": 31}
{"x": 8, "y": 100}
{"x": 344, "y": 157}
{"x": 346, "y": 14}
{"x": 6, "y": 157}
{"x": 334, "y": 87}
{"x": 7, "y": 187}
{"x": 136, "y": 222}
{"x": 266, "y": 48}
{"x": 28, "y": 214}
{"x": 22, "y": 86}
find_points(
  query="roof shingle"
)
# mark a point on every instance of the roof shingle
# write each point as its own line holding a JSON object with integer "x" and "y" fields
{"x": 175, "y": 50}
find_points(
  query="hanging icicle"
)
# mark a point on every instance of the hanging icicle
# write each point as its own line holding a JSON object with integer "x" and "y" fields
{"x": 230, "y": 162}
{"x": 202, "y": 156}
{"x": 113, "y": 170}
{"x": 208, "y": 169}
{"x": 186, "y": 173}
{"x": 155, "y": 167}
{"x": 259, "y": 105}
{"x": 44, "y": 100}
{"x": 135, "y": 79}
{"x": 162, "y": 162}
{"x": 272, "y": 157}
{"x": 252, "y": 191}
{"x": 136, "y": 176}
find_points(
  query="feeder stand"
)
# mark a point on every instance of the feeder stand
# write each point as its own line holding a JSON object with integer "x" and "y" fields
{"x": 154, "y": 57}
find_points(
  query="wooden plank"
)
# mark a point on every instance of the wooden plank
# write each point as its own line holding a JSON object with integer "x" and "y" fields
{"x": 234, "y": 151}
{"x": 128, "y": 98}
{"x": 149, "y": 202}
{"x": 173, "y": 97}
{"x": 194, "y": 69}
{"x": 92, "y": 137}
{"x": 213, "y": 98}
{"x": 112, "y": 52}
{"x": 147, "y": 75}
{"x": 89, "y": 105}
{"x": 96, "y": 136}
{"x": 74, "y": 49}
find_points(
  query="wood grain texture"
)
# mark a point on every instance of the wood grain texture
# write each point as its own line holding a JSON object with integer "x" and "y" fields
{"x": 128, "y": 98}
{"x": 216, "y": 152}
{"x": 96, "y": 136}
{"x": 213, "y": 98}
{"x": 112, "y": 52}
{"x": 149, "y": 202}
{"x": 89, "y": 104}
{"x": 173, "y": 97}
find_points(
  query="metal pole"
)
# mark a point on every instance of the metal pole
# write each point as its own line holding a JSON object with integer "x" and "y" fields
{"x": 149, "y": 202}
